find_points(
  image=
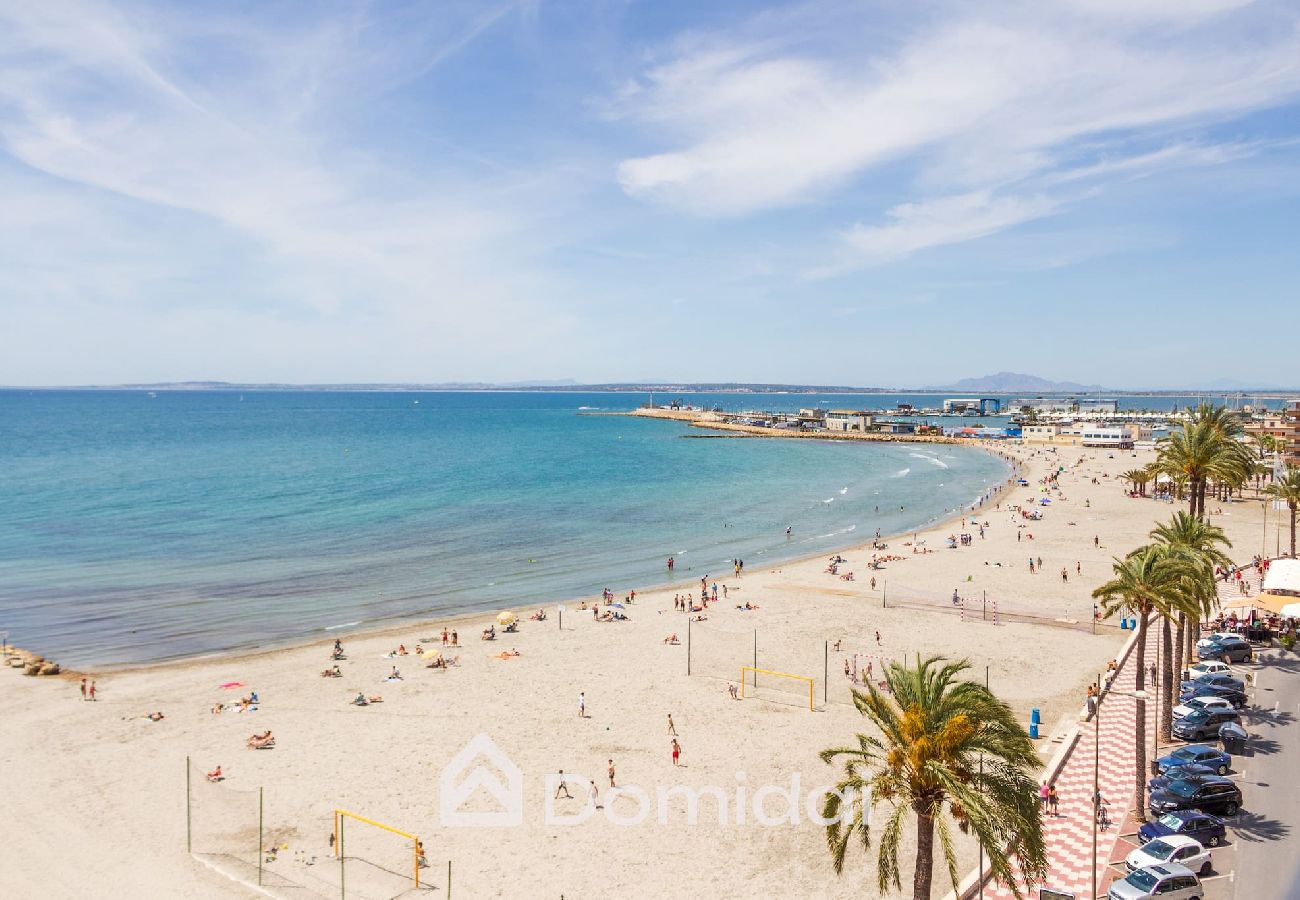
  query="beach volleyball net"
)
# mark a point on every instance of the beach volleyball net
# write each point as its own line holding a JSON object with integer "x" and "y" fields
{"x": 227, "y": 830}
{"x": 774, "y": 671}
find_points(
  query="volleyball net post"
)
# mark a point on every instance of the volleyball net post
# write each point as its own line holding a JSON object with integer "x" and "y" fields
{"x": 755, "y": 672}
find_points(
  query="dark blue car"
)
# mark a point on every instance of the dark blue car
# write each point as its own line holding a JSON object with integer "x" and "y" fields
{"x": 1191, "y": 823}
{"x": 1215, "y": 679}
{"x": 1201, "y": 754}
{"x": 1195, "y": 772}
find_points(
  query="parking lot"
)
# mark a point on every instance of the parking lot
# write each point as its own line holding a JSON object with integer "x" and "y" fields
{"x": 1273, "y": 687}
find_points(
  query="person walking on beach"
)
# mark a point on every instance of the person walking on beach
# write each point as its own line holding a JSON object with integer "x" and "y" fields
{"x": 92, "y": 690}
{"x": 1065, "y": 575}
{"x": 562, "y": 786}
{"x": 444, "y": 637}
{"x": 677, "y": 751}
{"x": 672, "y": 729}
{"x": 593, "y": 796}
{"x": 877, "y": 638}
{"x": 83, "y": 689}
{"x": 582, "y": 705}
{"x": 1031, "y": 565}
{"x": 1043, "y": 794}
{"x": 611, "y": 774}
{"x": 1052, "y": 800}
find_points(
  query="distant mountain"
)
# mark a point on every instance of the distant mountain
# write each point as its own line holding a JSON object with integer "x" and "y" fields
{"x": 1014, "y": 383}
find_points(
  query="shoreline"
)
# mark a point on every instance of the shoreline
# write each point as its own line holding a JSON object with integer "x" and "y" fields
{"x": 382, "y": 628}
{"x": 386, "y": 761}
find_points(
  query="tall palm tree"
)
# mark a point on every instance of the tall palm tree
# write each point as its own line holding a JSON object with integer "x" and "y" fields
{"x": 1146, "y": 582}
{"x": 948, "y": 748}
{"x": 1201, "y": 453}
{"x": 1287, "y": 489}
{"x": 1200, "y": 542}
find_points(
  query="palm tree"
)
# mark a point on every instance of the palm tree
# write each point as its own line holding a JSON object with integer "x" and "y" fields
{"x": 1139, "y": 478}
{"x": 1200, "y": 542}
{"x": 1199, "y": 452}
{"x": 1287, "y": 489}
{"x": 1146, "y": 581}
{"x": 948, "y": 748}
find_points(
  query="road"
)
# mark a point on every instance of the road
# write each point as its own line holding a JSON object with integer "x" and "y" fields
{"x": 1266, "y": 865}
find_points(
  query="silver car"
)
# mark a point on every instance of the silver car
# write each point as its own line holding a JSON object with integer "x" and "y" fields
{"x": 1167, "y": 881}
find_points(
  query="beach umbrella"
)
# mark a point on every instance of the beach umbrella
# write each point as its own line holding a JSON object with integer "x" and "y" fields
{"x": 505, "y": 618}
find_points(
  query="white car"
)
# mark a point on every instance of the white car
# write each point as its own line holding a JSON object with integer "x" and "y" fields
{"x": 1207, "y": 641}
{"x": 1175, "y": 848}
{"x": 1209, "y": 667}
{"x": 1165, "y": 881}
{"x": 1197, "y": 703}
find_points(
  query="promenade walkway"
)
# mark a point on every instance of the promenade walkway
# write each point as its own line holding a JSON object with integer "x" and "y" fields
{"x": 1069, "y": 834}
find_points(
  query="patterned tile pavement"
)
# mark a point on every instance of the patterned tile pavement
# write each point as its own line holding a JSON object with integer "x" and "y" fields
{"x": 1069, "y": 834}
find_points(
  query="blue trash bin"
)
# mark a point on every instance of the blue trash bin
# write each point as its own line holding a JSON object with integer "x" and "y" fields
{"x": 1033, "y": 730}
{"x": 1034, "y": 717}
{"x": 1123, "y": 624}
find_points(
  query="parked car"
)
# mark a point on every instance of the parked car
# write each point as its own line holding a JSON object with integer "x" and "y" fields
{"x": 1190, "y": 772}
{"x": 1167, "y": 881}
{"x": 1176, "y": 848}
{"x": 1203, "y": 754}
{"x": 1215, "y": 638}
{"x": 1235, "y": 650}
{"x": 1207, "y": 829}
{"x": 1234, "y": 697}
{"x": 1216, "y": 680}
{"x": 1208, "y": 667}
{"x": 1217, "y": 795}
{"x": 1203, "y": 724}
{"x": 1195, "y": 704}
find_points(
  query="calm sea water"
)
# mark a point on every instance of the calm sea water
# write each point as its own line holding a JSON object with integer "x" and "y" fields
{"x": 137, "y": 528}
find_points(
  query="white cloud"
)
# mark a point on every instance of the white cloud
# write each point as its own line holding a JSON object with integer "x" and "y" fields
{"x": 933, "y": 223}
{"x": 993, "y": 103}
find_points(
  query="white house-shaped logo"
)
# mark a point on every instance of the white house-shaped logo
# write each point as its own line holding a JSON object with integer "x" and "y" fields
{"x": 481, "y": 764}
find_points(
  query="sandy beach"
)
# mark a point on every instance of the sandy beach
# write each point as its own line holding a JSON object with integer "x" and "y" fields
{"x": 95, "y": 793}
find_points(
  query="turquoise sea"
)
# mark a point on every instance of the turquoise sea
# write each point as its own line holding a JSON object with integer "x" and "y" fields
{"x": 138, "y": 527}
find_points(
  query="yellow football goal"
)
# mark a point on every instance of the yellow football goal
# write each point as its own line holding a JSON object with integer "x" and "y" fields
{"x": 750, "y": 674}
{"x": 340, "y": 817}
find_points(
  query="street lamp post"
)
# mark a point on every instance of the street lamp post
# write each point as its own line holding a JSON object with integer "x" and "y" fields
{"x": 1096, "y": 773}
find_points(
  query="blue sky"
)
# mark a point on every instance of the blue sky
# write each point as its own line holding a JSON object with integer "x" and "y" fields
{"x": 856, "y": 193}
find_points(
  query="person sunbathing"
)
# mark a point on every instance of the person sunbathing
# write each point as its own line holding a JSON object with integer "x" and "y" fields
{"x": 361, "y": 699}
{"x": 395, "y": 675}
{"x": 334, "y": 672}
{"x": 215, "y": 775}
{"x": 401, "y": 650}
{"x": 419, "y": 650}
{"x": 217, "y": 708}
{"x": 155, "y": 717}
{"x": 671, "y": 639}
{"x": 261, "y": 741}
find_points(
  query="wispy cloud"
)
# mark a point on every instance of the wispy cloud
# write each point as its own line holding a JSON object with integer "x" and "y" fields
{"x": 993, "y": 104}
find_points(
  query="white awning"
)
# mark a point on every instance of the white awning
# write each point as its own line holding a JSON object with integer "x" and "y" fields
{"x": 1283, "y": 577}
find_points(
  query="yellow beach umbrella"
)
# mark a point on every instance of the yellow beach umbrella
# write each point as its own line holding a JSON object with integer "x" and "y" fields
{"x": 506, "y": 618}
